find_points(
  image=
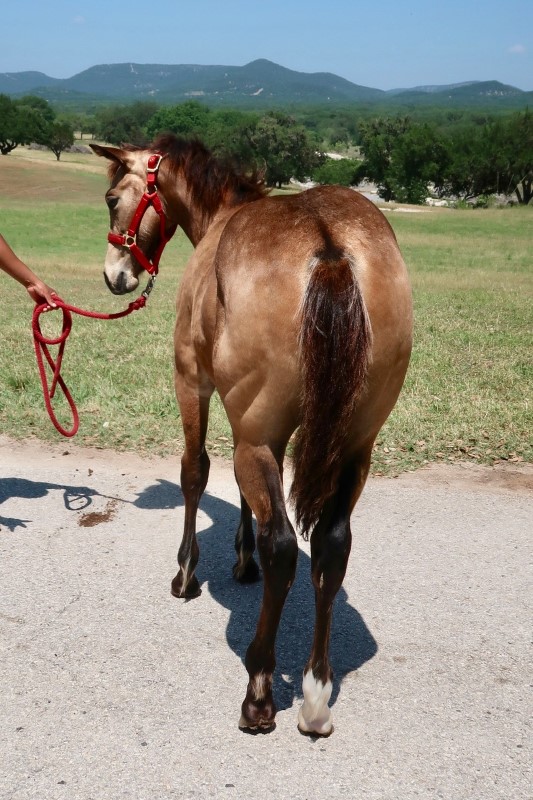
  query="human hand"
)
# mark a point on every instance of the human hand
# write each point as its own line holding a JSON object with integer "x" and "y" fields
{"x": 41, "y": 293}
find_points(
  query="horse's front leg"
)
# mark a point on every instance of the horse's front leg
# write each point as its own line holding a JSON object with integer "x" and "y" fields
{"x": 259, "y": 477}
{"x": 194, "y": 409}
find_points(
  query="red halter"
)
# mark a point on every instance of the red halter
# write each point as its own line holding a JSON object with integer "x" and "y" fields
{"x": 149, "y": 198}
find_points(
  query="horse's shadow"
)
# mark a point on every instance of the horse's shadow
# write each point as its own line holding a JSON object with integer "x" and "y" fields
{"x": 352, "y": 644}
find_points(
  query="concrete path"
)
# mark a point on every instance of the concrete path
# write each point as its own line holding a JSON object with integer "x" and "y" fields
{"x": 110, "y": 688}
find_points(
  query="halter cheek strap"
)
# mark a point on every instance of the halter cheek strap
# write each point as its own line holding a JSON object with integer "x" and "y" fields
{"x": 149, "y": 198}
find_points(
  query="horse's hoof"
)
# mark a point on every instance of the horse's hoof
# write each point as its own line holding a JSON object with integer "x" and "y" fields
{"x": 258, "y": 716}
{"x": 191, "y": 590}
{"x": 260, "y": 726}
{"x": 321, "y": 726}
{"x": 249, "y": 573}
{"x": 323, "y": 734}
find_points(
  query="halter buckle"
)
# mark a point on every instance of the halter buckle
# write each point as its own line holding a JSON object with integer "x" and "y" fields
{"x": 154, "y": 162}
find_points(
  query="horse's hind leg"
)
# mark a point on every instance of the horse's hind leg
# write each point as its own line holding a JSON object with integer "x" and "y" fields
{"x": 194, "y": 473}
{"x": 330, "y": 547}
{"x": 245, "y": 570}
{"x": 259, "y": 477}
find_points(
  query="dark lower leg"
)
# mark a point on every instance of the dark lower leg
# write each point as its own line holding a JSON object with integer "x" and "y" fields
{"x": 246, "y": 569}
{"x": 260, "y": 481}
{"x": 330, "y": 549}
{"x": 193, "y": 482}
{"x": 278, "y": 553}
{"x": 329, "y": 557}
{"x": 194, "y": 475}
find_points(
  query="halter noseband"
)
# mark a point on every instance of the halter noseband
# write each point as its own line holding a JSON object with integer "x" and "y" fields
{"x": 149, "y": 198}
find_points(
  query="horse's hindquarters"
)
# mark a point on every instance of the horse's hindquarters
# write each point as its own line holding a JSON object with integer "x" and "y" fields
{"x": 389, "y": 305}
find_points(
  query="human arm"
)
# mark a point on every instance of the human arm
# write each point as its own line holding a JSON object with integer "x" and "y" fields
{"x": 36, "y": 288}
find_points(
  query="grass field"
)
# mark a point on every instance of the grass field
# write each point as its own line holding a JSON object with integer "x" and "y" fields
{"x": 468, "y": 391}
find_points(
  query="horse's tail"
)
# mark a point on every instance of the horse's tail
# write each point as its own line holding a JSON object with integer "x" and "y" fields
{"x": 335, "y": 339}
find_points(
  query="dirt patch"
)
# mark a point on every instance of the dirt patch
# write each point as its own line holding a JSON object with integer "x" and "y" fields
{"x": 93, "y": 518}
{"x": 500, "y": 478}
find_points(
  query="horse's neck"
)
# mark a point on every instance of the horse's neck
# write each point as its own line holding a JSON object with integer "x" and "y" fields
{"x": 188, "y": 211}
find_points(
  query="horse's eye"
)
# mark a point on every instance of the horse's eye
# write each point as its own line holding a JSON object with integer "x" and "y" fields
{"x": 111, "y": 201}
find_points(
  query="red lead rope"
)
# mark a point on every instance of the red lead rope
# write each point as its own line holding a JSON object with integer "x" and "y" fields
{"x": 42, "y": 343}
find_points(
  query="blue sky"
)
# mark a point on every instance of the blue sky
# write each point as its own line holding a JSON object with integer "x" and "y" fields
{"x": 384, "y": 44}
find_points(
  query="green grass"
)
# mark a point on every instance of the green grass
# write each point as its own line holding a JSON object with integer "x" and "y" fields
{"x": 468, "y": 390}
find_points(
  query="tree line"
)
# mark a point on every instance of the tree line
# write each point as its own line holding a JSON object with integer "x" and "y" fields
{"x": 454, "y": 153}
{"x": 31, "y": 119}
{"x": 405, "y": 157}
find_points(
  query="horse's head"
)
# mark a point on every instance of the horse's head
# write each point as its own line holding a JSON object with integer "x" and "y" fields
{"x": 139, "y": 228}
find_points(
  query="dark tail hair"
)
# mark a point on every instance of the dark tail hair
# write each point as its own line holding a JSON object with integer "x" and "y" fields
{"x": 335, "y": 339}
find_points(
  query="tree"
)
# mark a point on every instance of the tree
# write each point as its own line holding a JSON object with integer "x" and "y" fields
{"x": 58, "y": 137}
{"x": 187, "y": 119}
{"x": 223, "y": 131}
{"x": 125, "y": 124}
{"x": 378, "y": 139}
{"x": 419, "y": 157}
{"x": 81, "y": 121}
{"x": 516, "y": 156}
{"x": 403, "y": 157}
{"x": 343, "y": 171}
{"x": 39, "y": 105}
{"x": 9, "y": 137}
{"x": 284, "y": 148}
{"x": 22, "y": 121}
{"x": 227, "y": 135}
{"x": 478, "y": 162}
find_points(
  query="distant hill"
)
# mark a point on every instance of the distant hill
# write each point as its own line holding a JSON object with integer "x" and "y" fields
{"x": 484, "y": 94}
{"x": 260, "y": 84}
{"x": 433, "y": 89}
{"x": 14, "y": 83}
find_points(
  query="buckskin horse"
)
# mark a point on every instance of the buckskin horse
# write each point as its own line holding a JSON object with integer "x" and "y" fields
{"x": 297, "y": 310}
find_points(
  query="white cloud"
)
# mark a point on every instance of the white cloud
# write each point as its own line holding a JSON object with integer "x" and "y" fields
{"x": 78, "y": 20}
{"x": 517, "y": 48}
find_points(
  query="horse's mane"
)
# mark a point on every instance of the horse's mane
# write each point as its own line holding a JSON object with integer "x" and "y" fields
{"x": 211, "y": 179}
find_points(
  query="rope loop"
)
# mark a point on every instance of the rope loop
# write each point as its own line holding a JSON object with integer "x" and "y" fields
{"x": 42, "y": 352}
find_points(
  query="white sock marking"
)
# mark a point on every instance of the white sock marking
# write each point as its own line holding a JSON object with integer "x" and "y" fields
{"x": 260, "y": 686}
{"x": 315, "y": 715}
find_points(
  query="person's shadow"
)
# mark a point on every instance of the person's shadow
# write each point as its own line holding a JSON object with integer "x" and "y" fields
{"x": 75, "y": 498}
{"x": 352, "y": 644}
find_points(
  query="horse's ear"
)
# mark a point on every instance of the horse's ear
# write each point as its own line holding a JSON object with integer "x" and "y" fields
{"x": 112, "y": 153}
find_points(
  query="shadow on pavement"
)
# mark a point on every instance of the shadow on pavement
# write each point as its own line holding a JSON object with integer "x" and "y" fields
{"x": 75, "y": 498}
{"x": 352, "y": 644}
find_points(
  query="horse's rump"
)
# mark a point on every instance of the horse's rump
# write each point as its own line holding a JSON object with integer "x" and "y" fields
{"x": 334, "y": 343}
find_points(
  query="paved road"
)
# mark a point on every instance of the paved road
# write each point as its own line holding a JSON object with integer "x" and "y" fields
{"x": 112, "y": 689}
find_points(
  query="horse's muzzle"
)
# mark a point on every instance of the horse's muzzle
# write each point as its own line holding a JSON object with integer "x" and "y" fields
{"x": 120, "y": 284}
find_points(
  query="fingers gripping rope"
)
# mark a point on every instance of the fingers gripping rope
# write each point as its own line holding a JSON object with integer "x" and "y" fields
{"x": 42, "y": 353}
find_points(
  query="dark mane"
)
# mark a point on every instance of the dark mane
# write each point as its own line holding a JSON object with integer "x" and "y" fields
{"x": 210, "y": 178}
